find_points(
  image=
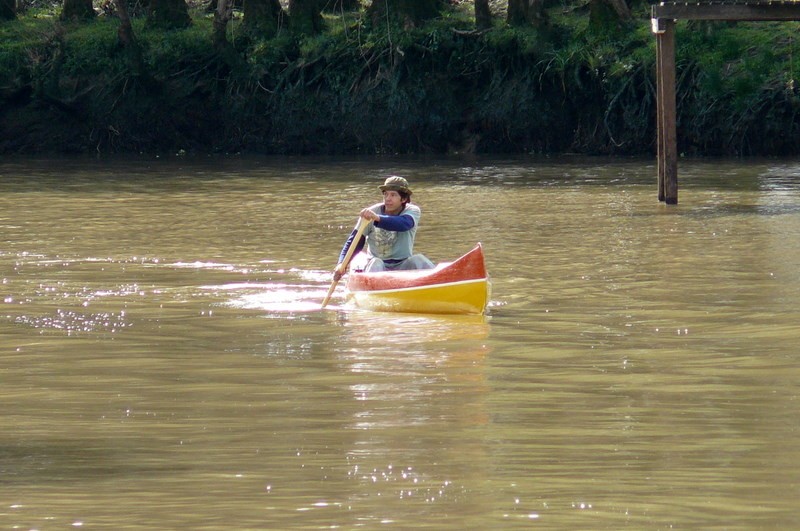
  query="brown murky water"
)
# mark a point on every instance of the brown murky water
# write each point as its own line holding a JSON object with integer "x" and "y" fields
{"x": 164, "y": 362}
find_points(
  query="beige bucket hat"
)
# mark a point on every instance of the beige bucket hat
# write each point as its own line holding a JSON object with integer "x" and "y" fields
{"x": 398, "y": 184}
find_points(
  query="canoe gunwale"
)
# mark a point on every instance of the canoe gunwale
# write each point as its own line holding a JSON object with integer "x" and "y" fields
{"x": 422, "y": 287}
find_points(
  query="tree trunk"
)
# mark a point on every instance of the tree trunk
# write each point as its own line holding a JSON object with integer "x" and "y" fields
{"x": 77, "y": 10}
{"x": 516, "y": 11}
{"x": 608, "y": 15}
{"x": 305, "y": 17}
{"x": 212, "y": 5}
{"x": 409, "y": 13}
{"x": 8, "y": 9}
{"x": 621, "y": 8}
{"x": 127, "y": 39}
{"x": 168, "y": 14}
{"x": 526, "y": 13}
{"x": 125, "y": 30}
{"x": 219, "y": 32}
{"x": 537, "y": 15}
{"x": 338, "y": 6}
{"x": 483, "y": 15}
{"x": 263, "y": 17}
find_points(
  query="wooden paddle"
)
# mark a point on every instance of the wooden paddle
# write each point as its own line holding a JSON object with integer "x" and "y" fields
{"x": 360, "y": 227}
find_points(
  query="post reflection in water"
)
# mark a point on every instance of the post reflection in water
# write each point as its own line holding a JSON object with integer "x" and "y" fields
{"x": 165, "y": 362}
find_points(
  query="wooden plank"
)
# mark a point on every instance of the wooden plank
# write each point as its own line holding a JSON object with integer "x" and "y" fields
{"x": 774, "y": 11}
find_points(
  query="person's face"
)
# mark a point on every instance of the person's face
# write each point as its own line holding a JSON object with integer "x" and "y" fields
{"x": 392, "y": 201}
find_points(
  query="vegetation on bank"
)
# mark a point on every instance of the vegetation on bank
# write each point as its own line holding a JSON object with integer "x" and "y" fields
{"x": 577, "y": 83}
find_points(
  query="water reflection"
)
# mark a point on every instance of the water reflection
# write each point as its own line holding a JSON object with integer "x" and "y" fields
{"x": 421, "y": 387}
{"x": 416, "y": 354}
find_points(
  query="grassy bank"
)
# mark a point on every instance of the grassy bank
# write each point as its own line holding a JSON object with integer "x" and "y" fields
{"x": 440, "y": 88}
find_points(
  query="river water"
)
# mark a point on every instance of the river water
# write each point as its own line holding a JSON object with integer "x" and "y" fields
{"x": 164, "y": 362}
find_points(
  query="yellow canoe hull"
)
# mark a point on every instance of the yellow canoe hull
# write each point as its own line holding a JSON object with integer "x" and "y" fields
{"x": 465, "y": 297}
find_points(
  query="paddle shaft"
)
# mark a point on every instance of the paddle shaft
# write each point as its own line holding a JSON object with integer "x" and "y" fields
{"x": 362, "y": 225}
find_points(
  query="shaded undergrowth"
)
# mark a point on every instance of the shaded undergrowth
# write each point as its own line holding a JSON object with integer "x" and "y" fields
{"x": 440, "y": 88}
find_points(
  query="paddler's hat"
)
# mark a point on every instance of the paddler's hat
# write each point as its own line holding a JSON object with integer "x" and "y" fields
{"x": 398, "y": 184}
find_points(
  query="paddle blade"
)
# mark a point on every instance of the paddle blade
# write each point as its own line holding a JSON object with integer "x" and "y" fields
{"x": 327, "y": 298}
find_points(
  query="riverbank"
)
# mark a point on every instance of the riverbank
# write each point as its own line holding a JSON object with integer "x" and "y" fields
{"x": 441, "y": 88}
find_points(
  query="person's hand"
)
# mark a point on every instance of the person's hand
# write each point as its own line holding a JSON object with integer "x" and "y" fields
{"x": 369, "y": 215}
{"x": 338, "y": 273}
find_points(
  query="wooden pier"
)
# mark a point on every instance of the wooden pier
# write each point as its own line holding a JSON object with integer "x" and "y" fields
{"x": 663, "y": 17}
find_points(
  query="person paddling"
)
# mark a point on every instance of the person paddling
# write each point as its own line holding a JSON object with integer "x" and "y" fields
{"x": 389, "y": 239}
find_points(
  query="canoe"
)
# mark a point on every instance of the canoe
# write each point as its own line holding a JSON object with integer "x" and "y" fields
{"x": 458, "y": 287}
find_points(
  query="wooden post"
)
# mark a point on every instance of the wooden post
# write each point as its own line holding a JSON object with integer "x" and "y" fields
{"x": 659, "y": 112}
{"x": 666, "y": 119}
